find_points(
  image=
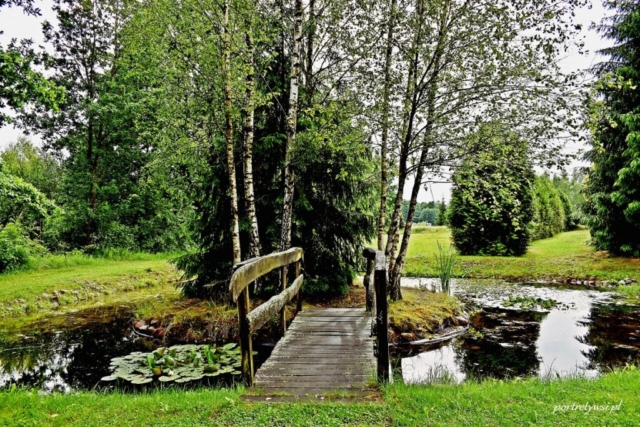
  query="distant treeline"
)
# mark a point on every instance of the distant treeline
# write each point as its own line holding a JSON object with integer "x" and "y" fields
{"x": 431, "y": 213}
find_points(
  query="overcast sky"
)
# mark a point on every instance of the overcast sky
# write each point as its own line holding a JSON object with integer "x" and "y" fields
{"x": 16, "y": 24}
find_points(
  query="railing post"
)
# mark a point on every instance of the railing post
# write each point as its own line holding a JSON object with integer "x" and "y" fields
{"x": 368, "y": 286}
{"x": 245, "y": 337}
{"x": 380, "y": 280}
{"x": 370, "y": 255}
{"x": 283, "y": 314}
{"x": 299, "y": 298}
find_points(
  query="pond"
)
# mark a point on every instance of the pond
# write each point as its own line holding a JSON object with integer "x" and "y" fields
{"x": 77, "y": 357}
{"x": 585, "y": 333}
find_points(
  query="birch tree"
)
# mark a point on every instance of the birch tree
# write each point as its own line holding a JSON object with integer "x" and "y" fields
{"x": 231, "y": 165}
{"x": 468, "y": 63}
{"x": 249, "y": 194}
{"x": 292, "y": 121}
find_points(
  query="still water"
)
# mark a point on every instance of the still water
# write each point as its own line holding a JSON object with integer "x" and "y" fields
{"x": 78, "y": 356}
{"x": 588, "y": 332}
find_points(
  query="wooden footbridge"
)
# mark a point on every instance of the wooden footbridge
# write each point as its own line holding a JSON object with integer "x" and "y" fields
{"x": 326, "y": 351}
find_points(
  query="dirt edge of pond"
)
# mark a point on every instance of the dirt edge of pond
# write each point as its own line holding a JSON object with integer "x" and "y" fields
{"x": 421, "y": 314}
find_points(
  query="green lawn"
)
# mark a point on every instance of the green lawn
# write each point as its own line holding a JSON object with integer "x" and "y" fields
{"x": 562, "y": 256}
{"x": 491, "y": 403}
{"x": 79, "y": 278}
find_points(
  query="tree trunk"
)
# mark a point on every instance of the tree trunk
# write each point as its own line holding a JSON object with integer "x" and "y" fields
{"x": 249, "y": 195}
{"x": 292, "y": 119}
{"x": 395, "y": 273}
{"x": 385, "y": 127}
{"x": 309, "y": 60}
{"x": 233, "y": 192}
{"x": 409, "y": 112}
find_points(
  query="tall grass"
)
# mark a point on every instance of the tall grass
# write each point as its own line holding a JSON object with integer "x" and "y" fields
{"x": 445, "y": 261}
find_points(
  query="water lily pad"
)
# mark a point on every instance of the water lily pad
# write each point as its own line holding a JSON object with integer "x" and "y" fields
{"x": 109, "y": 378}
{"x": 141, "y": 381}
{"x": 165, "y": 378}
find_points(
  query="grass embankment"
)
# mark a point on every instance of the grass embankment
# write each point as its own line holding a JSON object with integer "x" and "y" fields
{"x": 566, "y": 255}
{"x": 490, "y": 403}
{"x": 420, "y": 314}
{"x": 57, "y": 282}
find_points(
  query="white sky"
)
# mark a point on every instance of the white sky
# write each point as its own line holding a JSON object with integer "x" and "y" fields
{"x": 16, "y": 24}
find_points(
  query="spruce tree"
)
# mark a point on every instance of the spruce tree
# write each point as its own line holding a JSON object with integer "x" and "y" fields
{"x": 612, "y": 191}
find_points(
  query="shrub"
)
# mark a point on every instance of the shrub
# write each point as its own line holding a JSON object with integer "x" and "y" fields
{"x": 16, "y": 248}
{"x": 491, "y": 200}
{"x": 549, "y": 211}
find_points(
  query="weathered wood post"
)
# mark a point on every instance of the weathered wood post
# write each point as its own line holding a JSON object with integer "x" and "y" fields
{"x": 370, "y": 255}
{"x": 283, "y": 287}
{"x": 246, "y": 346}
{"x": 299, "y": 298}
{"x": 380, "y": 280}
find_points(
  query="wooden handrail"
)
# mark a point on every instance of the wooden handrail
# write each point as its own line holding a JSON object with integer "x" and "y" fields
{"x": 252, "y": 269}
{"x": 377, "y": 278}
{"x": 247, "y": 272}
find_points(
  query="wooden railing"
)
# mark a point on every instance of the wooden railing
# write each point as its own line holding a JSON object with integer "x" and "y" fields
{"x": 375, "y": 283}
{"x": 247, "y": 272}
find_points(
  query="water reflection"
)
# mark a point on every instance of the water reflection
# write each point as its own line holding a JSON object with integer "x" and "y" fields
{"x": 75, "y": 359}
{"x": 78, "y": 357}
{"x": 586, "y": 334}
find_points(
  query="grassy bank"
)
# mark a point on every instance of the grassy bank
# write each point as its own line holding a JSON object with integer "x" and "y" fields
{"x": 421, "y": 314}
{"x": 491, "y": 403}
{"x": 562, "y": 256}
{"x": 59, "y": 281}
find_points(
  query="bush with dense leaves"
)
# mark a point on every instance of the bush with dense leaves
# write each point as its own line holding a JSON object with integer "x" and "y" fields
{"x": 491, "y": 200}
{"x": 22, "y": 202}
{"x": 549, "y": 211}
{"x": 16, "y": 248}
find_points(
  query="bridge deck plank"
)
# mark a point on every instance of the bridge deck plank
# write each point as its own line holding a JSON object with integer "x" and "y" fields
{"x": 325, "y": 351}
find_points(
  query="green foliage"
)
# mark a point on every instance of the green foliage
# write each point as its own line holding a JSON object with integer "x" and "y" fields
{"x": 549, "y": 217}
{"x": 491, "y": 200}
{"x": 178, "y": 364}
{"x": 334, "y": 202}
{"x": 22, "y": 202}
{"x": 445, "y": 261}
{"x": 111, "y": 194}
{"x": 529, "y": 303}
{"x": 612, "y": 191}
{"x": 571, "y": 189}
{"x": 34, "y": 165}
{"x": 441, "y": 218}
{"x": 426, "y": 212}
{"x": 16, "y": 248}
{"x": 20, "y": 85}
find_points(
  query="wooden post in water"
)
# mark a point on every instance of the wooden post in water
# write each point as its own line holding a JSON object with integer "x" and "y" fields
{"x": 283, "y": 313}
{"x": 299, "y": 298}
{"x": 245, "y": 337}
{"x": 380, "y": 280}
